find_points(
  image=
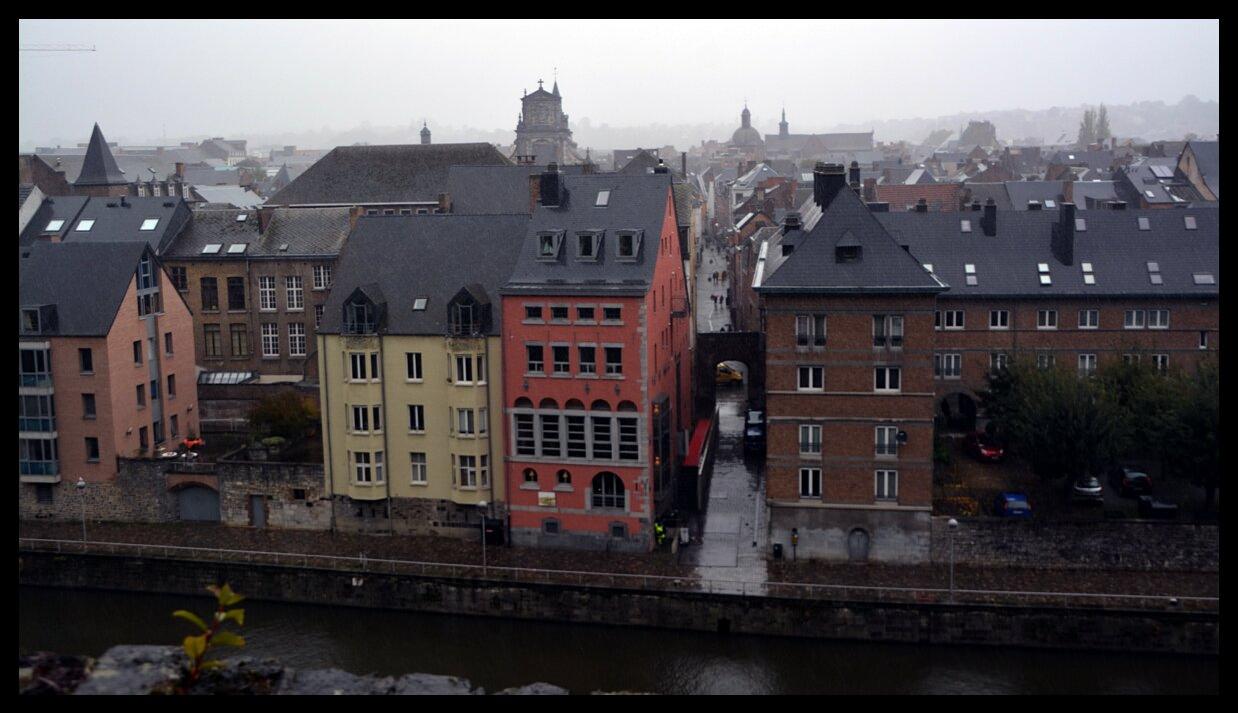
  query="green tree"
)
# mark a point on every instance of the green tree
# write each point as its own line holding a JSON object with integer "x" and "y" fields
{"x": 285, "y": 414}
{"x": 1087, "y": 129}
{"x": 1102, "y": 125}
{"x": 1195, "y": 440}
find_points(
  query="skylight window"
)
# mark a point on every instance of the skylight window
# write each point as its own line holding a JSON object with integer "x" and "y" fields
{"x": 1162, "y": 171}
{"x": 965, "y": 226}
{"x": 1087, "y": 267}
{"x": 212, "y": 249}
{"x": 237, "y": 248}
{"x": 1190, "y": 222}
{"x": 1204, "y": 278}
{"x": 1149, "y": 193}
{"x": 1042, "y": 267}
{"x": 1089, "y": 278}
{"x": 419, "y": 304}
{"x": 1046, "y": 280}
{"x": 1154, "y": 267}
{"x": 150, "y": 223}
{"x": 241, "y": 218}
{"x": 969, "y": 268}
{"x": 972, "y": 280}
{"x": 1081, "y": 225}
{"x": 603, "y": 199}
{"x": 54, "y": 225}
{"x": 1144, "y": 224}
{"x": 1050, "y": 203}
{"x": 1155, "y": 277}
{"x": 85, "y": 225}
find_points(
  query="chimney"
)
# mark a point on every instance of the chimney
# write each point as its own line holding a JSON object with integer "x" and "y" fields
{"x": 444, "y": 202}
{"x": 683, "y": 159}
{"x": 180, "y": 169}
{"x": 870, "y": 190}
{"x": 551, "y": 187}
{"x": 975, "y": 205}
{"x": 922, "y": 206}
{"x": 1068, "y": 189}
{"x": 1033, "y": 205}
{"x": 791, "y": 221}
{"x": 1063, "y": 242}
{"x": 854, "y": 176}
{"x": 535, "y": 190}
{"x": 661, "y": 167}
{"x": 878, "y": 207}
{"x": 988, "y": 221}
{"x": 264, "y": 217}
{"x": 827, "y": 180}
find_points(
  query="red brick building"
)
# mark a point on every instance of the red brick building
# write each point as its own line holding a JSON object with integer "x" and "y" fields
{"x": 596, "y": 363}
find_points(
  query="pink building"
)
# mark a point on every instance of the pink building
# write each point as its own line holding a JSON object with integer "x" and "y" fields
{"x": 596, "y": 363}
{"x": 106, "y": 363}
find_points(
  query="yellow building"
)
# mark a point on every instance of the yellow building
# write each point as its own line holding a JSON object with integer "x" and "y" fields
{"x": 410, "y": 370}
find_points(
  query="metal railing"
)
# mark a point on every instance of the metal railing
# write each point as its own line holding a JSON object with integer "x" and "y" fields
{"x": 643, "y": 582}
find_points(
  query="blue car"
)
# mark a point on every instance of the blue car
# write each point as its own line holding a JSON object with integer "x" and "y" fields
{"x": 1012, "y": 505}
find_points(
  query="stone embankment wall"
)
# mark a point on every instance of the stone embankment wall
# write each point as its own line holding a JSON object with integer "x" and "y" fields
{"x": 924, "y": 623}
{"x": 1110, "y": 544}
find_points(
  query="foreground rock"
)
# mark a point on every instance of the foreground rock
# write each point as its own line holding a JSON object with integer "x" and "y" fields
{"x": 157, "y": 670}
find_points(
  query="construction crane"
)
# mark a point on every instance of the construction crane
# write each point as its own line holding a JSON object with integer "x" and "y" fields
{"x": 57, "y": 48}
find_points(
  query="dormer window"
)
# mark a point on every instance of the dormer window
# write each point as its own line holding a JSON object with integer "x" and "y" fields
{"x": 588, "y": 246}
{"x": 548, "y": 245}
{"x": 360, "y": 318}
{"x": 628, "y": 244}
{"x": 463, "y": 318}
{"x": 847, "y": 253}
{"x": 30, "y": 321}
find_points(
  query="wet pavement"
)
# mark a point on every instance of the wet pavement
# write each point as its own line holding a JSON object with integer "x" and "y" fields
{"x": 712, "y": 281}
{"x": 729, "y": 537}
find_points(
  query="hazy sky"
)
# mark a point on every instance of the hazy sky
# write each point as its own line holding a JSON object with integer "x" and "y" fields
{"x": 237, "y": 77}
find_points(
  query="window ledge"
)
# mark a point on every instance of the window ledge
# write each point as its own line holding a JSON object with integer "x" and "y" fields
{"x": 564, "y": 488}
{"x": 530, "y": 486}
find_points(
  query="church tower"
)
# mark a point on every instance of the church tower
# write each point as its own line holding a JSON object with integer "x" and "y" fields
{"x": 783, "y": 126}
{"x": 425, "y": 133}
{"x": 542, "y": 130}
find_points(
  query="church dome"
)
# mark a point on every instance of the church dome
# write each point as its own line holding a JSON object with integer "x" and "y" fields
{"x": 746, "y": 136}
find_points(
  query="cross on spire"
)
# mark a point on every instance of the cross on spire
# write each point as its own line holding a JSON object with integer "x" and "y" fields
{"x": 539, "y": 84}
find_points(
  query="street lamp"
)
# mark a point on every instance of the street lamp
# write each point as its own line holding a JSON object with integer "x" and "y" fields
{"x": 482, "y": 507}
{"x": 953, "y": 525}
{"x": 81, "y": 488}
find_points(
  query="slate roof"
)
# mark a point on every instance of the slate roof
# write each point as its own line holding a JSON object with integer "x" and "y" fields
{"x": 86, "y": 281}
{"x": 759, "y": 173}
{"x": 812, "y": 267}
{"x": 1095, "y": 191}
{"x": 636, "y": 203}
{"x": 984, "y": 191}
{"x": 23, "y": 192}
{"x": 1208, "y": 157}
{"x": 234, "y": 196}
{"x": 642, "y": 162}
{"x": 1006, "y": 263}
{"x": 1137, "y": 180}
{"x": 398, "y": 259}
{"x": 858, "y": 141}
{"x": 98, "y": 167}
{"x": 404, "y": 173}
{"x": 122, "y": 222}
{"x": 64, "y": 208}
{"x": 313, "y": 232}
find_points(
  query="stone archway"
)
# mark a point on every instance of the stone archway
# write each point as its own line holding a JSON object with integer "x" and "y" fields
{"x": 712, "y": 348}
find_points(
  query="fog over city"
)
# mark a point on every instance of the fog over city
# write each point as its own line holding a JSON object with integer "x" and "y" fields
{"x": 635, "y": 82}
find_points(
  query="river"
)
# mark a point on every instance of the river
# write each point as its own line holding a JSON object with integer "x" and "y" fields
{"x": 498, "y": 653}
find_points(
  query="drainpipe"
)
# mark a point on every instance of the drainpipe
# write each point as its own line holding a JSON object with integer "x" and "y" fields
{"x": 489, "y": 430}
{"x": 326, "y": 416}
{"x": 382, "y": 397}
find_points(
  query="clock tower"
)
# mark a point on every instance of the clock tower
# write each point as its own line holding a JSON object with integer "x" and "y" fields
{"x": 541, "y": 129}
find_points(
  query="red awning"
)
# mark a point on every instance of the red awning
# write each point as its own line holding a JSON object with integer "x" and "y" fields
{"x": 692, "y": 458}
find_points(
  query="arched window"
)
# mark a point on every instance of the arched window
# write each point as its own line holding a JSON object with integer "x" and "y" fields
{"x": 549, "y": 404}
{"x": 523, "y": 402}
{"x": 564, "y": 477}
{"x": 530, "y": 475}
{"x": 627, "y": 406}
{"x": 608, "y": 491}
{"x": 599, "y": 405}
{"x": 574, "y": 405}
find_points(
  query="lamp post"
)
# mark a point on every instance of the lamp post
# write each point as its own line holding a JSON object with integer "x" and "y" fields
{"x": 482, "y": 507}
{"x": 81, "y": 488}
{"x": 795, "y": 541}
{"x": 953, "y": 525}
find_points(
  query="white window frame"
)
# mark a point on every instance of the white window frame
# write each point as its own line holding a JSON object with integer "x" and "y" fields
{"x": 296, "y": 339}
{"x": 1087, "y": 364}
{"x": 529, "y": 363}
{"x": 885, "y": 441}
{"x": 416, "y": 418}
{"x": 810, "y": 482}
{"x": 998, "y": 360}
{"x": 322, "y": 277}
{"x": 816, "y": 378}
{"x": 270, "y": 340}
{"x": 887, "y": 371}
{"x": 810, "y": 436}
{"x": 466, "y": 423}
{"x": 1158, "y": 323}
{"x": 1046, "y": 319}
{"x": 885, "y": 485}
{"x": 419, "y": 469}
{"x": 999, "y": 319}
{"x": 416, "y": 364}
{"x": 953, "y": 319}
{"x": 362, "y": 468}
{"x": 296, "y": 293}
{"x": 464, "y": 370}
{"x": 1160, "y": 362}
{"x": 266, "y": 294}
{"x": 1089, "y": 319}
{"x": 1135, "y": 319}
{"x": 948, "y": 365}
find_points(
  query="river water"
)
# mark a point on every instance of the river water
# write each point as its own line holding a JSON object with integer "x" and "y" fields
{"x": 497, "y": 653}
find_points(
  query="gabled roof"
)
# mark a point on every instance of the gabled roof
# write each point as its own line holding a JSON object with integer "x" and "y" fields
{"x": 234, "y": 196}
{"x": 117, "y": 221}
{"x": 86, "y": 281}
{"x": 812, "y": 267}
{"x": 1208, "y": 158}
{"x": 398, "y": 259}
{"x": 300, "y": 232}
{"x": 99, "y": 167}
{"x": 635, "y": 203}
{"x": 1006, "y": 264}
{"x": 65, "y": 208}
{"x": 404, "y": 173}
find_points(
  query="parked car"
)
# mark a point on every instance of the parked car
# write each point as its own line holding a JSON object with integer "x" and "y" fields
{"x": 1129, "y": 482}
{"x": 754, "y": 431}
{"x": 726, "y": 375}
{"x": 1152, "y": 508}
{"x": 1088, "y": 489}
{"x": 984, "y": 447}
{"x": 1012, "y": 505}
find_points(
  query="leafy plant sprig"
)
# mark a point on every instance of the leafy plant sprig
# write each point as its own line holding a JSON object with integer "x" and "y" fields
{"x": 213, "y": 635}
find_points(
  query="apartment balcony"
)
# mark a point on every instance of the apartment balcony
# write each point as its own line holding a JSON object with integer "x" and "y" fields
{"x": 35, "y": 381}
{"x": 36, "y": 425}
{"x": 39, "y": 471}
